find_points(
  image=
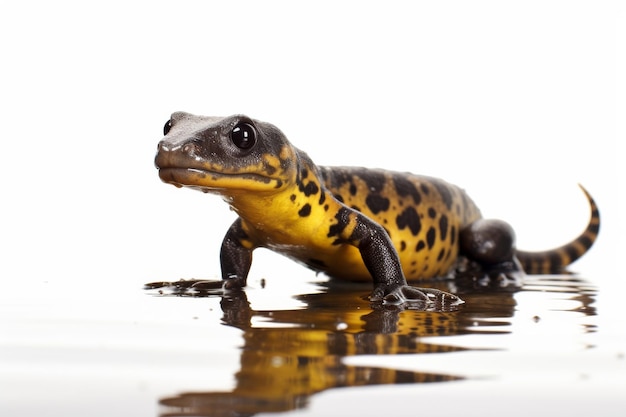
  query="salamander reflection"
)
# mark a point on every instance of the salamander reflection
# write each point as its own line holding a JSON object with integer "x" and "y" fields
{"x": 283, "y": 366}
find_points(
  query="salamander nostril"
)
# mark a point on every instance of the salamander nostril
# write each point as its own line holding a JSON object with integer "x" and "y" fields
{"x": 189, "y": 148}
{"x": 163, "y": 157}
{"x": 163, "y": 147}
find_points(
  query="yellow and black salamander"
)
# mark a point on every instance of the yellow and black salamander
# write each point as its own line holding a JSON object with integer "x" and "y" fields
{"x": 351, "y": 223}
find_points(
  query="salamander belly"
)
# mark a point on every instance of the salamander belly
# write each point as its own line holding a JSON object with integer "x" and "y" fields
{"x": 345, "y": 262}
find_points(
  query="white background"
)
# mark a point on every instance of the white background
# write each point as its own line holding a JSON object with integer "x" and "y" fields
{"x": 516, "y": 102}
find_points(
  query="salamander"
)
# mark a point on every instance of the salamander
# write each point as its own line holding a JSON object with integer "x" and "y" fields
{"x": 351, "y": 223}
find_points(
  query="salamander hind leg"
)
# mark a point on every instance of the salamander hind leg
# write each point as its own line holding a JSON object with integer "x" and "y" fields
{"x": 487, "y": 248}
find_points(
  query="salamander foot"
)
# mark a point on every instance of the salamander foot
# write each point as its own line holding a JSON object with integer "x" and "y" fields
{"x": 414, "y": 298}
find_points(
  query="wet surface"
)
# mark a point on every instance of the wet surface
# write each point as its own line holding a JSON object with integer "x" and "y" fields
{"x": 173, "y": 352}
{"x": 289, "y": 356}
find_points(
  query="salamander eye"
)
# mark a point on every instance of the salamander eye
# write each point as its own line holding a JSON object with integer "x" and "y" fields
{"x": 167, "y": 127}
{"x": 243, "y": 136}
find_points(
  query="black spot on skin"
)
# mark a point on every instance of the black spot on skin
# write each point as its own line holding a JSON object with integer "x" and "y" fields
{"x": 269, "y": 169}
{"x": 585, "y": 241}
{"x": 409, "y": 218}
{"x": 404, "y": 187}
{"x": 556, "y": 262}
{"x": 304, "y": 173}
{"x": 305, "y": 210}
{"x": 402, "y": 245}
{"x": 326, "y": 207}
{"x": 441, "y": 253}
{"x": 424, "y": 188}
{"x": 310, "y": 189}
{"x": 336, "y": 177}
{"x": 357, "y": 208}
{"x": 339, "y": 198}
{"x": 571, "y": 252}
{"x": 342, "y": 217}
{"x": 444, "y": 191}
{"x": 279, "y": 184}
{"x": 285, "y": 163}
{"x": 432, "y": 213}
{"x": 443, "y": 226}
{"x": 352, "y": 189}
{"x": 430, "y": 237}
{"x": 322, "y": 198}
{"x": 375, "y": 180}
{"x": 376, "y": 203}
{"x": 452, "y": 235}
{"x": 292, "y": 197}
{"x": 420, "y": 245}
{"x": 595, "y": 226}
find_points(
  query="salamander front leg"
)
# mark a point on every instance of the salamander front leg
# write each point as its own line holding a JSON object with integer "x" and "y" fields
{"x": 236, "y": 257}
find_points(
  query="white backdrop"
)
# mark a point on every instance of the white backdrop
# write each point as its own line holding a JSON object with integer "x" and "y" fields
{"x": 514, "y": 101}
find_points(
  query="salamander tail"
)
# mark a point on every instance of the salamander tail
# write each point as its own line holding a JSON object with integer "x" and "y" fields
{"x": 555, "y": 260}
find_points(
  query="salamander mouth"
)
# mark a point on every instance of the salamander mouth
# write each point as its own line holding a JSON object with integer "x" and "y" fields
{"x": 208, "y": 181}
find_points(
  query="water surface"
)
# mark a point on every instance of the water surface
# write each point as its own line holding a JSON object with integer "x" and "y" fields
{"x": 326, "y": 350}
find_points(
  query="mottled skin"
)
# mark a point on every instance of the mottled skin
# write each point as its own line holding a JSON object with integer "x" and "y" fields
{"x": 352, "y": 223}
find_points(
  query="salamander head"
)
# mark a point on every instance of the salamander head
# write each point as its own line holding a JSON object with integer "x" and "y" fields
{"x": 225, "y": 155}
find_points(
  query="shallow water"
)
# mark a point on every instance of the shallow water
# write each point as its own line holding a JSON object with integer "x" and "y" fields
{"x": 322, "y": 352}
